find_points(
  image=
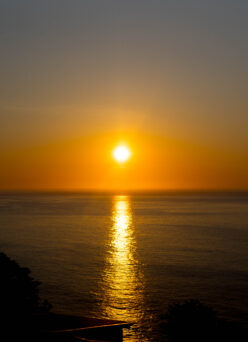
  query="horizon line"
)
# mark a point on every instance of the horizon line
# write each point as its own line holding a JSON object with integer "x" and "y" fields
{"x": 115, "y": 191}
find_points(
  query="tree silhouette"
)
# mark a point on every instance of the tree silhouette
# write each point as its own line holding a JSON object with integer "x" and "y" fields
{"x": 19, "y": 296}
{"x": 193, "y": 321}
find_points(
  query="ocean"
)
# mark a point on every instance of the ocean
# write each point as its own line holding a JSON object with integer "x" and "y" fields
{"x": 129, "y": 256}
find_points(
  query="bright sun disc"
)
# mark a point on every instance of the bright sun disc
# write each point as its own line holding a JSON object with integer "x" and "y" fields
{"x": 121, "y": 154}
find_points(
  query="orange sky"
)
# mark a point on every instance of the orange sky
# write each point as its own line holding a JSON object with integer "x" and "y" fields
{"x": 168, "y": 80}
{"x": 85, "y": 163}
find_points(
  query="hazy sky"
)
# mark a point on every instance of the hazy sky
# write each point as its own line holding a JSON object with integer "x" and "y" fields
{"x": 169, "y": 78}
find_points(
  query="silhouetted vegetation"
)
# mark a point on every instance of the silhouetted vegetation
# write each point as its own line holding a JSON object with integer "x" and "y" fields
{"x": 19, "y": 296}
{"x": 194, "y": 321}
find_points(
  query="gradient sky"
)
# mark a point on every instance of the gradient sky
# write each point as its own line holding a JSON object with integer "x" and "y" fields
{"x": 168, "y": 78}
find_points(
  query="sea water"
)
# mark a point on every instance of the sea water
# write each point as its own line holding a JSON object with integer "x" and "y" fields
{"x": 128, "y": 256}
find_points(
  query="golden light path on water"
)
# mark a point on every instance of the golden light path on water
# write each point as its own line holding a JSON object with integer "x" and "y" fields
{"x": 122, "y": 277}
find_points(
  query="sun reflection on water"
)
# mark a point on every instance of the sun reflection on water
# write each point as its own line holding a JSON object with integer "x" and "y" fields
{"x": 122, "y": 278}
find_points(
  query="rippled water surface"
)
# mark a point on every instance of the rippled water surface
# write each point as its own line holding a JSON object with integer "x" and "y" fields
{"x": 127, "y": 257}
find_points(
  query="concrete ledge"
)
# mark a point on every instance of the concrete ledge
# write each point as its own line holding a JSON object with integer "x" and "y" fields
{"x": 53, "y": 327}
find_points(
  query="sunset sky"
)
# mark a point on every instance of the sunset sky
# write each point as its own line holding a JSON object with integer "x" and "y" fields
{"x": 167, "y": 78}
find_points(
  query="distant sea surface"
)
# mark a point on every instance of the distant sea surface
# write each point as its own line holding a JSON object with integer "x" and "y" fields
{"x": 127, "y": 257}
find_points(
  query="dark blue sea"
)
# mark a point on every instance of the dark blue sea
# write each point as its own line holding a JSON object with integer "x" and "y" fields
{"x": 128, "y": 256}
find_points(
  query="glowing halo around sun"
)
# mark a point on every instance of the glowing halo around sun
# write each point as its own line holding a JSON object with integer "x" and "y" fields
{"x": 121, "y": 153}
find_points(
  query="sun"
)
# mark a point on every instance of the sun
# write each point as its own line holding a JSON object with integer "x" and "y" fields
{"x": 121, "y": 153}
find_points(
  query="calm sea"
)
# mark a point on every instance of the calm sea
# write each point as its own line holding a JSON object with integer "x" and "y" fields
{"x": 128, "y": 256}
